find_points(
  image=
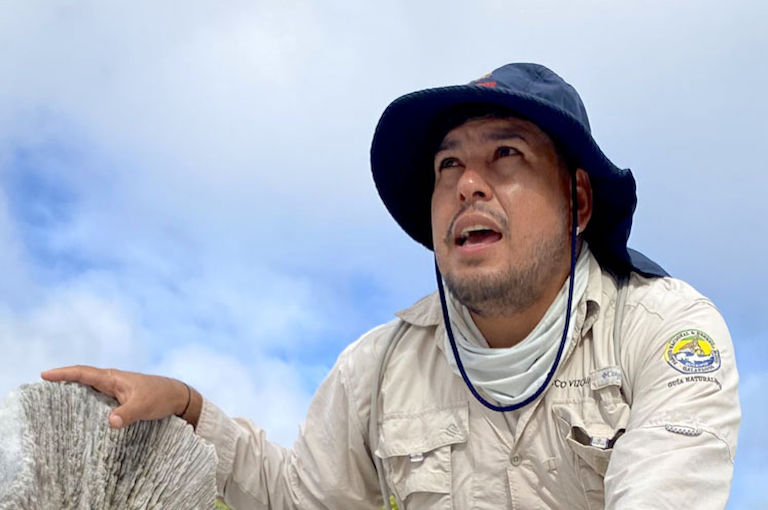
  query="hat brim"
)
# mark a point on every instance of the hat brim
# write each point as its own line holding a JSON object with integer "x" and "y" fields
{"x": 403, "y": 149}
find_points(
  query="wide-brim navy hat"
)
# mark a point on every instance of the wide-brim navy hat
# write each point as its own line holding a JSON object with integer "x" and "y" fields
{"x": 411, "y": 128}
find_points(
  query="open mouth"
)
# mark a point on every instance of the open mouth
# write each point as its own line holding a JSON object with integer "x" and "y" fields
{"x": 477, "y": 235}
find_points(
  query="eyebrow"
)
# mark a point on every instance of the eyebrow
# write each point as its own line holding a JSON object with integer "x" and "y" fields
{"x": 493, "y": 136}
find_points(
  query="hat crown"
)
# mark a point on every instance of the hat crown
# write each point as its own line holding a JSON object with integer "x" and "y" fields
{"x": 540, "y": 82}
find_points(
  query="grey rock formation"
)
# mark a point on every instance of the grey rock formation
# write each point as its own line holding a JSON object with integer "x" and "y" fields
{"x": 57, "y": 451}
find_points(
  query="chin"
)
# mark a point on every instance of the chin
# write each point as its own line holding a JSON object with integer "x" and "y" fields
{"x": 479, "y": 262}
{"x": 475, "y": 270}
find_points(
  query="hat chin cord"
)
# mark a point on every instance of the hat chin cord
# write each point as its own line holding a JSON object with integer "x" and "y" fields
{"x": 551, "y": 373}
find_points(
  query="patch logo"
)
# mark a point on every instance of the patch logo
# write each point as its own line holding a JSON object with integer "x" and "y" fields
{"x": 692, "y": 352}
{"x": 484, "y": 81}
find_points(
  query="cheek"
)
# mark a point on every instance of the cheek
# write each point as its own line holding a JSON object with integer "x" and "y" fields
{"x": 437, "y": 210}
{"x": 531, "y": 209}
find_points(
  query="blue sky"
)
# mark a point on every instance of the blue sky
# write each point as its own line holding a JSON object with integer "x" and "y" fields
{"x": 185, "y": 187}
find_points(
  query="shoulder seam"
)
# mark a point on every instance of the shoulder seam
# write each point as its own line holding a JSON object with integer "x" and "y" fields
{"x": 700, "y": 300}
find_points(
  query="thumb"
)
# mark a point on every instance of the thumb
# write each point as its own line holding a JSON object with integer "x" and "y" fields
{"x": 122, "y": 416}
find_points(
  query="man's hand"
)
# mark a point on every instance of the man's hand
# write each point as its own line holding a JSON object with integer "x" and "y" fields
{"x": 141, "y": 397}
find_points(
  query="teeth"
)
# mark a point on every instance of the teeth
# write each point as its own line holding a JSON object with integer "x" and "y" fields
{"x": 473, "y": 228}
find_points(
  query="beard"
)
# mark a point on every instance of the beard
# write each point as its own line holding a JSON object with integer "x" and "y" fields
{"x": 516, "y": 287}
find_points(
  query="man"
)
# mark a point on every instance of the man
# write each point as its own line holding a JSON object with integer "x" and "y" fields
{"x": 554, "y": 368}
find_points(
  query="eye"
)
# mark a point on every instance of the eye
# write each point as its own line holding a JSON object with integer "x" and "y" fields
{"x": 448, "y": 163}
{"x": 504, "y": 151}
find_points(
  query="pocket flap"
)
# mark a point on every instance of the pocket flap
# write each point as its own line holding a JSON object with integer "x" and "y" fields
{"x": 416, "y": 433}
{"x": 588, "y": 434}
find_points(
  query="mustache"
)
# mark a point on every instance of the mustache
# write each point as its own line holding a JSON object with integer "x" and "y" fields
{"x": 500, "y": 219}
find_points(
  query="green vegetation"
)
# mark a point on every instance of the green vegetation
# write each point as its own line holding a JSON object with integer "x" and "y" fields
{"x": 392, "y": 504}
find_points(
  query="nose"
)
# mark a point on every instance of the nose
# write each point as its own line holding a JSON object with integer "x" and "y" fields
{"x": 473, "y": 186}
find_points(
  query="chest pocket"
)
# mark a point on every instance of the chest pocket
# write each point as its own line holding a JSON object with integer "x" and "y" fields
{"x": 416, "y": 449}
{"x": 590, "y": 427}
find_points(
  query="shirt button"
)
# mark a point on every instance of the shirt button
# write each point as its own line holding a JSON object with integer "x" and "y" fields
{"x": 516, "y": 460}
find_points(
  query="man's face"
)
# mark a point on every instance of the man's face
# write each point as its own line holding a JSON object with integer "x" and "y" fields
{"x": 500, "y": 215}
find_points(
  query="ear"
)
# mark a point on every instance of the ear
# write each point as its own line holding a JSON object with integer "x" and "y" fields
{"x": 584, "y": 196}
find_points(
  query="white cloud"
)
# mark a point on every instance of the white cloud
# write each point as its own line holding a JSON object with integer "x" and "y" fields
{"x": 14, "y": 285}
{"x": 89, "y": 322}
{"x": 69, "y": 326}
{"x": 269, "y": 391}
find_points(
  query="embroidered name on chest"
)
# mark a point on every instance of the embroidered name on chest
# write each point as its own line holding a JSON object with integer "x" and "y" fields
{"x": 610, "y": 376}
{"x": 572, "y": 383}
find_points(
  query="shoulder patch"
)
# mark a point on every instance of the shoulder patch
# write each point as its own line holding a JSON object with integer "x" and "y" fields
{"x": 692, "y": 352}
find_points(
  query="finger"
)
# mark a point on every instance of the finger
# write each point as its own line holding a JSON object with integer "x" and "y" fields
{"x": 124, "y": 415}
{"x": 116, "y": 421}
{"x": 75, "y": 373}
{"x": 59, "y": 374}
{"x": 100, "y": 379}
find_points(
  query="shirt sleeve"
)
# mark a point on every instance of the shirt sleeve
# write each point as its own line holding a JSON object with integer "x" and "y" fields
{"x": 329, "y": 466}
{"x": 680, "y": 442}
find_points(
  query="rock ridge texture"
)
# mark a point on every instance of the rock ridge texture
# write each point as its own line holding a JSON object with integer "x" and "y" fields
{"x": 57, "y": 451}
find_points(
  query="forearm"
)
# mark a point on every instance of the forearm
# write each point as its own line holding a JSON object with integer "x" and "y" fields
{"x": 656, "y": 468}
{"x": 328, "y": 468}
{"x": 250, "y": 471}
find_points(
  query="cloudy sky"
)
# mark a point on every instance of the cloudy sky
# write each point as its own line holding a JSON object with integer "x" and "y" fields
{"x": 185, "y": 186}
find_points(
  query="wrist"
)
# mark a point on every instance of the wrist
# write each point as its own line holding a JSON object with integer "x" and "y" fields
{"x": 188, "y": 393}
{"x": 192, "y": 414}
{"x": 180, "y": 397}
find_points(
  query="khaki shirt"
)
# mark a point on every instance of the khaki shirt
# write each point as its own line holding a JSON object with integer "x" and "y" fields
{"x": 656, "y": 428}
